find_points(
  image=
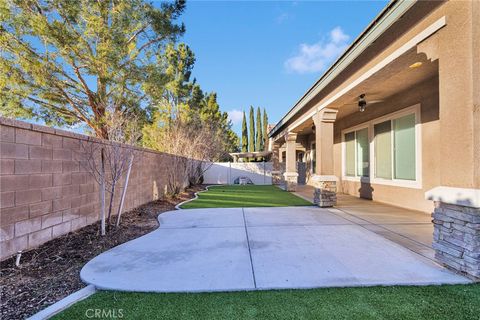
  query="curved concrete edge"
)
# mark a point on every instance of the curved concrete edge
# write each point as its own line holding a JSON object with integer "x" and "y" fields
{"x": 90, "y": 289}
{"x": 340, "y": 284}
{"x": 177, "y": 207}
{"x": 65, "y": 303}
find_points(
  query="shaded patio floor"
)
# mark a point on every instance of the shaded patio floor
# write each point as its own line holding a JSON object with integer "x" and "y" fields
{"x": 409, "y": 228}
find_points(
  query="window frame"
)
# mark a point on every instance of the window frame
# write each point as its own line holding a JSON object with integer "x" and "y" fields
{"x": 417, "y": 183}
{"x": 344, "y": 151}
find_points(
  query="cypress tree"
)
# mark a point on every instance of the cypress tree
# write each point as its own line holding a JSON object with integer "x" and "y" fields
{"x": 251, "y": 144}
{"x": 265, "y": 129}
{"x": 259, "y": 140}
{"x": 244, "y": 134}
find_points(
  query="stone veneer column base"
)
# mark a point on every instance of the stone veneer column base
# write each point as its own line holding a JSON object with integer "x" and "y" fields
{"x": 456, "y": 237}
{"x": 291, "y": 180}
{"x": 276, "y": 177}
{"x": 456, "y": 232}
{"x": 325, "y": 194}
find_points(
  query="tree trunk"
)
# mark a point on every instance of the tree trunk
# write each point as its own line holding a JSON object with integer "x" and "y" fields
{"x": 102, "y": 194}
{"x": 111, "y": 203}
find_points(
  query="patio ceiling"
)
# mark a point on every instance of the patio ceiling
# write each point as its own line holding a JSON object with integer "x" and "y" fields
{"x": 392, "y": 79}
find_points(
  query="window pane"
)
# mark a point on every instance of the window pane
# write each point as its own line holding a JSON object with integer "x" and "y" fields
{"x": 363, "y": 161}
{"x": 350, "y": 154}
{"x": 383, "y": 150}
{"x": 404, "y": 152}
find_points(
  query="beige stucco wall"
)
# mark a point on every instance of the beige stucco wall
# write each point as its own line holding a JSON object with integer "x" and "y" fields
{"x": 425, "y": 94}
{"x": 450, "y": 103}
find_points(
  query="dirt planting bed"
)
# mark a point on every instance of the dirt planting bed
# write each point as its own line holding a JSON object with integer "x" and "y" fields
{"x": 52, "y": 271}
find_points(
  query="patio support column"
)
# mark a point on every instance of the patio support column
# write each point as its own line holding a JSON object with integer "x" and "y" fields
{"x": 324, "y": 181}
{"x": 276, "y": 172}
{"x": 290, "y": 174}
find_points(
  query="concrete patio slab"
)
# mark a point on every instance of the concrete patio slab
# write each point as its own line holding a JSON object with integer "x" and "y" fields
{"x": 176, "y": 260}
{"x": 291, "y": 216}
{"x": 259, "y": 248}
{"x": 340, "y": 255}
{"x": 412, "y": 244}
{"x": 202, "y": 218}
{"x": 408, "y": 228}
{"x": 418, "y": 232}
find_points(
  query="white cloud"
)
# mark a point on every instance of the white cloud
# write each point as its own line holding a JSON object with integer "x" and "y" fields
{"x": 316, "y": 57}
{"x": 236, "y": 116}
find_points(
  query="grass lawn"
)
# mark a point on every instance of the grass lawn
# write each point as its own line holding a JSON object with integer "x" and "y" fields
{"x": 430, "y": 302}
{"x": 245, "y": 196}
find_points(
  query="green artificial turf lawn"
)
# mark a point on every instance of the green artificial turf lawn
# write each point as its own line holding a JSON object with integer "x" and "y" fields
{"x": 245, "y": 196}
{"x": 429, "y": 302}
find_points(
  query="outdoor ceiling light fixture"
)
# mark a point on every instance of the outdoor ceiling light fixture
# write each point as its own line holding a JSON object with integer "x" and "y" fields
{"x": 415, "y": 65}
{"x": 362, "y": 103}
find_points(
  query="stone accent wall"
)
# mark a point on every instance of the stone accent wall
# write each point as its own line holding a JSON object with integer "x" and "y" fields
{"x": 291, "y": 181}
{"x": 46, "y": 190}
{"x": 277, "y": 173}
{"x": 456, "y": 237}
{"x": 325, "y": 194}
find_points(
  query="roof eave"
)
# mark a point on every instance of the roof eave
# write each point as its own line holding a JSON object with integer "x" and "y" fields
{"x": 389, "y": 15}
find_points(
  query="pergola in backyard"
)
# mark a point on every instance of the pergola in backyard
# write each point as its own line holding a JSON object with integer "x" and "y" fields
{"x": 244, "y": 156}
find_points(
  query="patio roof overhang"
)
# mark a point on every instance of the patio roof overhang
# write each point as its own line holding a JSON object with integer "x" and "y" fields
{"x": 389, "y": 76}
{"x": 256, "y": 154}
{"x": 407, "y": 71}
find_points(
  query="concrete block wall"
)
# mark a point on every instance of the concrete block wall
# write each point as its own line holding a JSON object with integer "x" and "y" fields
{"x": 45, "y": 187}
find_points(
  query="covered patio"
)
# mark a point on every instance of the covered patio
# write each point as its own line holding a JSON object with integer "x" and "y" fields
{"x": 408, "y": 228}
{"x": 391, "y": 121}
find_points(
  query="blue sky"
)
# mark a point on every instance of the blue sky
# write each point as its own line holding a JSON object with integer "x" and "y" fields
{"x": 268, "y": 54}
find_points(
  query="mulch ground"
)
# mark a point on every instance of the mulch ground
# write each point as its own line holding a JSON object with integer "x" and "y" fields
{"x": 51, "y": 272}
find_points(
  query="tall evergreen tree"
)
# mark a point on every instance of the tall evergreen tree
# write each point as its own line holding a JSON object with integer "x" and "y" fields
{"x": 74, "y": 62}
{"x": 244, "y": 134}
{"x": 259, "y": 139}
{"x": 265, "y": 129}
{"x": 251, "y": 144}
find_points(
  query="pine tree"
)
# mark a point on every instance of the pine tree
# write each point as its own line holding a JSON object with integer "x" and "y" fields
{"x": 251, "y": 145}
{"x": 265, "y": 129}
{"x": 259, "y": 139}
{"x": 73, "y": 62}
{"x": 244, "y": 134}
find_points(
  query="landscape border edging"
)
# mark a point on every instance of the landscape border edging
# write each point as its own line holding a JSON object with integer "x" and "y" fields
{"x": 65, "y": 303}
{"x": 177, "y": 207}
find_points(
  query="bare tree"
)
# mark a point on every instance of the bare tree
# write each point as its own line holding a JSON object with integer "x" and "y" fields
{"x": 110, "y": 161}
{"x": 191, "y": 146}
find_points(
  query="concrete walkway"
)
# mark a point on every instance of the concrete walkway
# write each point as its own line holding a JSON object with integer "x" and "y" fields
{"x": 409, "y": 228}
{"x": 259, "y": 248}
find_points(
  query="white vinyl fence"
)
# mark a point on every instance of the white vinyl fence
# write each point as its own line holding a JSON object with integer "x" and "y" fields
{"x": 227, "y": 172}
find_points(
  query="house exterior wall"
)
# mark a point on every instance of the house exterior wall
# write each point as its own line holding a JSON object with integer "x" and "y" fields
{"x": 450, "y": 102}
{"x": 425, "y": 94}
{"x": 46, "y": 190}
{"x": 446, "y": 36}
